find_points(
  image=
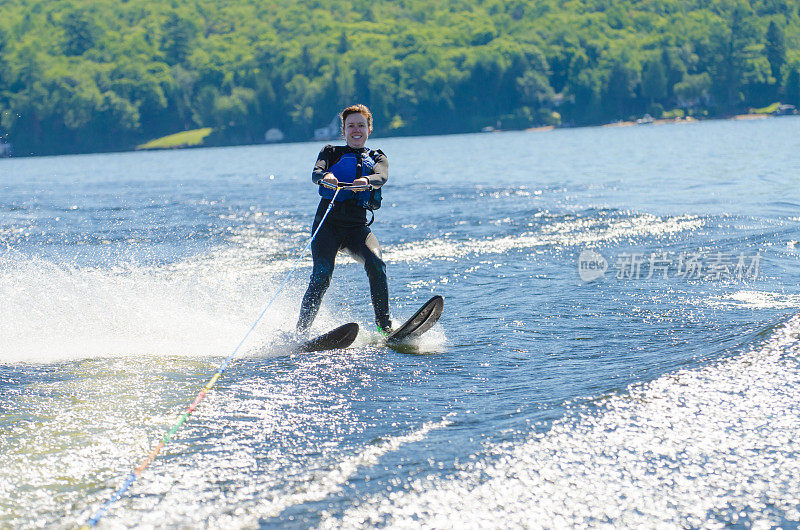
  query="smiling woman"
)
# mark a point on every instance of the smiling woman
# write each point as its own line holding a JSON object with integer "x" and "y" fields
{"x": 357, "y": 125}
{"x": 347, "y": 227}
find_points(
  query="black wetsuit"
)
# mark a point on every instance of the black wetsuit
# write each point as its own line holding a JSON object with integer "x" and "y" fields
{"x": 346, "y": 228}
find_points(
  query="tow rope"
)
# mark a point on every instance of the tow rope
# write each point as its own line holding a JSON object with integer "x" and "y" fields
{"x": 131, "y": 478}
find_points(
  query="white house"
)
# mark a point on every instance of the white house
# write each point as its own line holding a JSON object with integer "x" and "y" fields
{"x": 330, "y": 132}
{"x": 273, "y": 135}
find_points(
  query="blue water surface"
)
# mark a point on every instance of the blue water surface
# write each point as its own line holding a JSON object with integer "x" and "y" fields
{"x": 127, "y": 278}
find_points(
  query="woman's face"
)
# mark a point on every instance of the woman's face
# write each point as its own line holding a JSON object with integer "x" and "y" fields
{"x": 356, "y": 130}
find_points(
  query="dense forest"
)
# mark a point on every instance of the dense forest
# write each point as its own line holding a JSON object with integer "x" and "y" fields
{"x": 80, "y": 76}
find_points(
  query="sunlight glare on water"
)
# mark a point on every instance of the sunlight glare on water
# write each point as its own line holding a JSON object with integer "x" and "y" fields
{"x": 693, "y": 447}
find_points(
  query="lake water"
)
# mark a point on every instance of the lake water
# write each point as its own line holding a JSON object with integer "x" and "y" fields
{"x": 665, "y": 393}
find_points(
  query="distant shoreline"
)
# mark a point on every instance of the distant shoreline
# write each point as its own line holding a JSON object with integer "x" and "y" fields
{"x": 547, "y": 128}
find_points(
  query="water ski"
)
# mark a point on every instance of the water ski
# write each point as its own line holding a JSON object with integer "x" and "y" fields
{"x": 341, "y": 337}
{"x": 422, "y": 321}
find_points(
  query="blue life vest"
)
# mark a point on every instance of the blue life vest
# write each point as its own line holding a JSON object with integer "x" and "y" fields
{"x": 350, "y": 166}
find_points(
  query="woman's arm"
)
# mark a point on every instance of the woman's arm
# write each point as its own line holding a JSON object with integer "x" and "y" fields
{"x": 321, "y": 167}
{"x": 380, "y": 171}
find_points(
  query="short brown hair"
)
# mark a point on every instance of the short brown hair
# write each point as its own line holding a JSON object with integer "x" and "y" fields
{"x": 357, "y": 108}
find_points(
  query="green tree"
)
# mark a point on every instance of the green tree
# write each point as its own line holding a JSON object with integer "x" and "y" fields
{"x": 205, "y": 106}
{"x": 179, "y": 34}
{"x": 654, "y": 81}
{"x": 792, "y": 89}
{"x": 583, "y": 92}
{"x": 775, "y": 49}
{"x": 105, "y": 75}
{"x": 535, "y": 89}
{"x": 233, "y": 110}
{"x": 618, "y": 90}
{"x": 693, "y": 90}
{"x": 735, "y": 47}
{"x": 3, "y": 67}
{"x": 80, "y": 32}
{"x": 344, "y": 45}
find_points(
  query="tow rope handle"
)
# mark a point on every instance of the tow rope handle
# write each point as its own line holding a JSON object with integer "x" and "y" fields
{"x": 348, "y": 187}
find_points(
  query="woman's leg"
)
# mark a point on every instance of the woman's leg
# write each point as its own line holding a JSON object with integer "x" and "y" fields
{"x": 363, "y": 246}
{"x": 323, "y": 251}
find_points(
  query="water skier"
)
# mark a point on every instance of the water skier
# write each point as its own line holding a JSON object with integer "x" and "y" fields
{"x": 346, "y": 225}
